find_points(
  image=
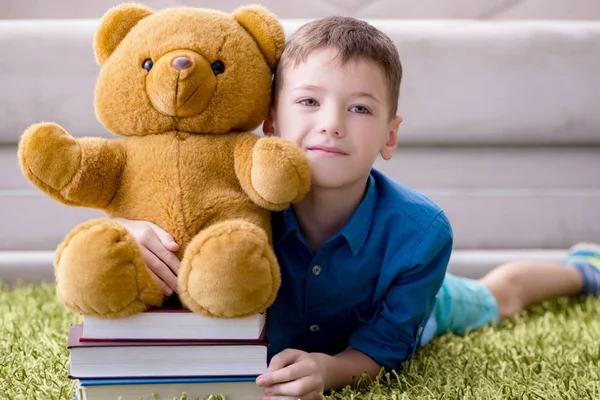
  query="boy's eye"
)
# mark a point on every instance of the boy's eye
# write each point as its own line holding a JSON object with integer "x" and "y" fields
{"x": 360, "y": 109}
{"x": 308, "y": 102}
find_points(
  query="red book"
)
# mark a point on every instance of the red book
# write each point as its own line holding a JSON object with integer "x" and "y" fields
{"x": 150, "y": 359}
{"x": 174, "y": 324}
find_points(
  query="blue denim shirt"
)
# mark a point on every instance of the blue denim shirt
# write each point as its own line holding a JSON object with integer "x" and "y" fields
{"x": 371, "y": 286}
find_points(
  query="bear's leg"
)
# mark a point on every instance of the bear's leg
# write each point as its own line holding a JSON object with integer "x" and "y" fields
{"x": 100, "y": 272}
{"x": 229, "y": 270}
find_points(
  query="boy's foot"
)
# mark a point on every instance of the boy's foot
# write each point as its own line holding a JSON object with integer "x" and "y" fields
{"x": 585, "y": 257}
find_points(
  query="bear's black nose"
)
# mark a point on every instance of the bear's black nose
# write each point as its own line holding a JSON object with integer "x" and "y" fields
{"x": 181, "y": 63}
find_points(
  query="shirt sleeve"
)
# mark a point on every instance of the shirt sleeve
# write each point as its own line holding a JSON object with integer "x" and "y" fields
{"x": 392, "y": 336}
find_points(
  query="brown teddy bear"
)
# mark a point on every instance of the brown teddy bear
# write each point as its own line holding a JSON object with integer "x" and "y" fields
{"x": 185, "y": 87}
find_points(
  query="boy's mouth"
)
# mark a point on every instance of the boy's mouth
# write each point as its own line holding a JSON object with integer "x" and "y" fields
{"x": 329, "y": 150}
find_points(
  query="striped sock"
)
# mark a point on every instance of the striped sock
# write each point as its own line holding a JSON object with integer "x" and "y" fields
{"x": 585, "y": 257}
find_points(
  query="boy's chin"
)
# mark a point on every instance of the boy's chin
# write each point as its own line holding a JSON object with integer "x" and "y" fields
{"x": 330, "y": 180}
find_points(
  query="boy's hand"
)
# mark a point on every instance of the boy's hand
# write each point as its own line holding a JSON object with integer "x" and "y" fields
{"x": 157, "y": 247}
{"x": 294, "y": 375}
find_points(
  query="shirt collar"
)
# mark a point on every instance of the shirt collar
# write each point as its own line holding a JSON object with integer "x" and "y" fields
{"x": 285, "y": 223}
{"x": 355, "y": 231}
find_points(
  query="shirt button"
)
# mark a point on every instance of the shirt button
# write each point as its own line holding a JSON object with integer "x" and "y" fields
{"x": 316, "y": 270}
{"x": 420, "y": 331}
{"x": 314, "y": 328}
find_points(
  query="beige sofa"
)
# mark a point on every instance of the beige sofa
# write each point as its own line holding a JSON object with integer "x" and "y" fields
{"x": 502, "y": 129}
{"x": 397, "y": 9}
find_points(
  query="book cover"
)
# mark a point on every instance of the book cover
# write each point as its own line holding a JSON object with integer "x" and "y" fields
{"x": 162, "y": 381}
{"x": 119, "y": 359}
{"x": 158, "y": 324}
{"x": 76, "y": 339}
{"x": 233, "y": 388}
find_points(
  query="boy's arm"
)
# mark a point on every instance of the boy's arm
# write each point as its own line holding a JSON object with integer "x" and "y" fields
{"x": 345, "y": 366}
{"x": 306, "y": 375}
{"x": 392, "y": 337}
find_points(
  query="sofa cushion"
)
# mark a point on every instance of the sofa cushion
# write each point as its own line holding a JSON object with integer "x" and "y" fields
{"x": 401, "y": 9}
{"x": 495, "y": 198}
{"x": 465, "y": 82}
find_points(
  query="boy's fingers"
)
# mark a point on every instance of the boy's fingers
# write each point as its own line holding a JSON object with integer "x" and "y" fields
{"x": 278, "y": 363}
{"x": 169, "y": 259}
{"x": 283, "y": 359}
{"x": 166, "y": 239}
{"x": 152, "y": 242}
{"x": 163, "y": 286}
{"x": 160, "y": 269}
{"x": 296, "y": 388}
{"x": 287, "y": 374}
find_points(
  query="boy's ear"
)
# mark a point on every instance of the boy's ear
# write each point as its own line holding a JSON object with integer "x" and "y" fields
{"x": 389, "y": 148}
{"x": 268, "y": 127}
{"x": 266, "y": 30}
{"x": 114, "y": 26}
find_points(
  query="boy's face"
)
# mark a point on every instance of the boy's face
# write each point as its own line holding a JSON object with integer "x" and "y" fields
{"x": 338, "y": 114}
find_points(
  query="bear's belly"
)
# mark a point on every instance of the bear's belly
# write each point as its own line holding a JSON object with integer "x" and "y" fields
{"x": 183, "y": 185}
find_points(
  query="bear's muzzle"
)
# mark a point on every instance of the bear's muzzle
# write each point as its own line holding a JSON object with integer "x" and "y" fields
{"x": 181, "y": 84}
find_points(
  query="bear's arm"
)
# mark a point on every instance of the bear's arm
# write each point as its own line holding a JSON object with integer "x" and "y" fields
{"x": 99, "y": 176}
{"x": 79, "y": 172}
{"x": 272, "y": 171}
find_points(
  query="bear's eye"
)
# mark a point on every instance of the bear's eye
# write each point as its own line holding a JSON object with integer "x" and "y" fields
{"x": 148, "y": 64}
{"x": 218, "y": 67}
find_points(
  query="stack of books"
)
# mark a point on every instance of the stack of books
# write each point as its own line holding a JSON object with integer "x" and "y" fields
{"x": 165, "y": 354}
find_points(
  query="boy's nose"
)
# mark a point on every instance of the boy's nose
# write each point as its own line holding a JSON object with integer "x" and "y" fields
{"x": 332, "y": 127}
{"x": 332, "y": 132}
{"x": 332, "y": 121}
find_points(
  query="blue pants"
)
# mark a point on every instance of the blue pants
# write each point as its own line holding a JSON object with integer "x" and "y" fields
{"x": 461, "y": 304}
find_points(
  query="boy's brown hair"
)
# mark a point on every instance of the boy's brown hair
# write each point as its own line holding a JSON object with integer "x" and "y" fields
{"x": 354, "y": 40}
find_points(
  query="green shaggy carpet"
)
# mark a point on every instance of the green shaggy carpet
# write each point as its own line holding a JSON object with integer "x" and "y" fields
{"x": 551, "y": 351}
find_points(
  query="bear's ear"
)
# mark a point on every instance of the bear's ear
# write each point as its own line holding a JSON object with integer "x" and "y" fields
{"x": 114, "y": 26}
{"x": 266, "y": 30}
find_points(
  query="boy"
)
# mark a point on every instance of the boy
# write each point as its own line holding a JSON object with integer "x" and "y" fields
{"x": 362, "y": 257}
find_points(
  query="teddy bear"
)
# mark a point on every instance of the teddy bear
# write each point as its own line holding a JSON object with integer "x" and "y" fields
{"x": 183, "y": 88}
